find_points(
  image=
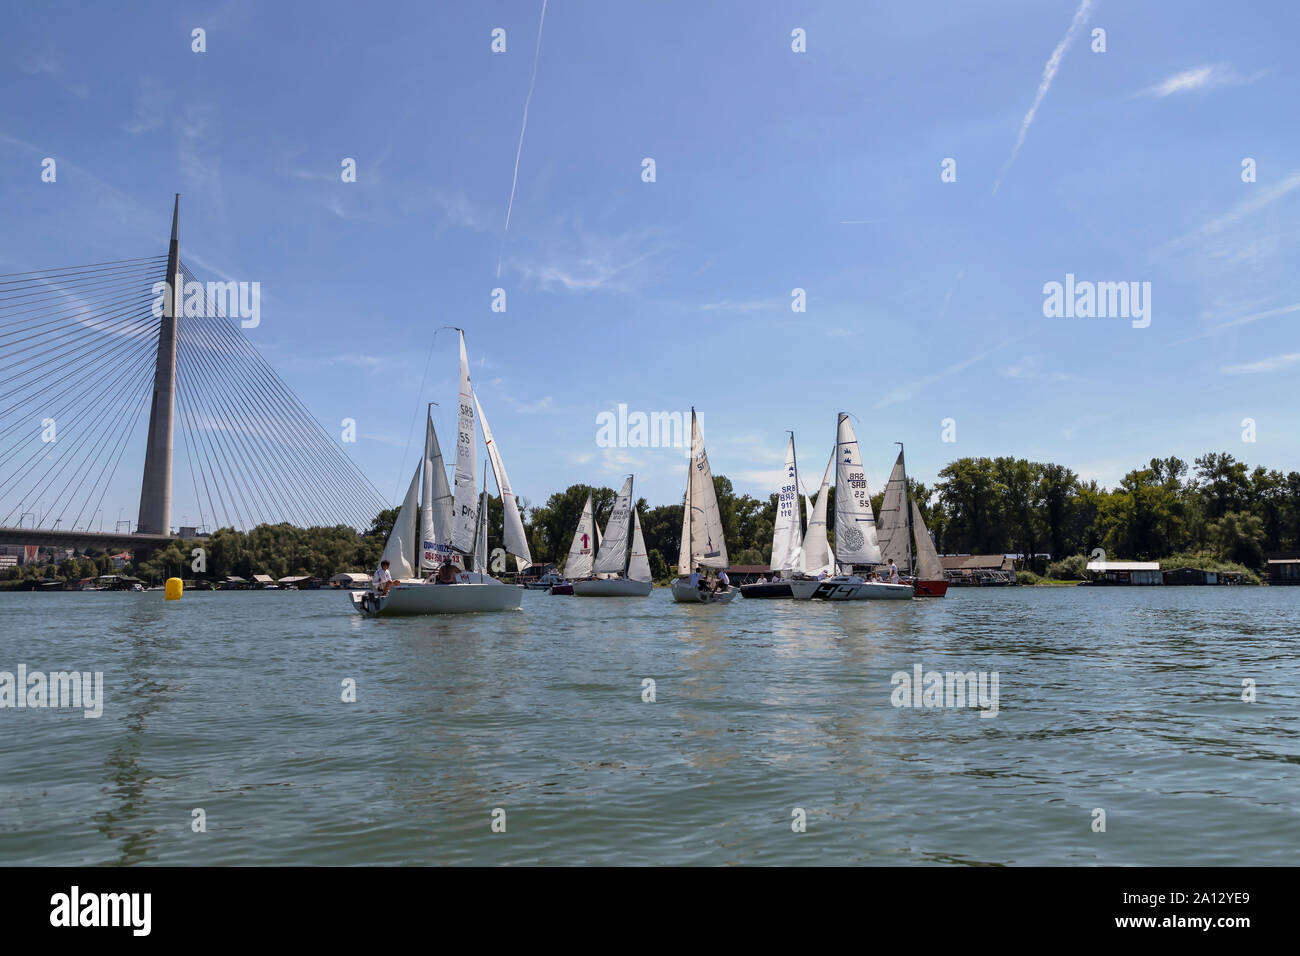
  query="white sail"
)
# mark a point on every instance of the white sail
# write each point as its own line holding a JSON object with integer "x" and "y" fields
{"x": 612, "y": 557}
{"x": 703, "y": 519}
{"x": 928, "y": 565}
{"x": 891, "y": 523}
{"x": 435, "y": 510}
{"x": 465, "y": 504}
{"x": 583, "y": 548}
{"x": 516, "y": 541}
{"x": 855, "y": 525}
{"x": 816, "y": 555}
{"x": 787, "y": 536}
{"x": 684, "y": 565}
{"x": 638, "y": 567}
{"x": 399, "y": 551}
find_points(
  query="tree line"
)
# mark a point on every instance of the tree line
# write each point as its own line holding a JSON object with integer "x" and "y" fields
{"x": 1217, "y": 508}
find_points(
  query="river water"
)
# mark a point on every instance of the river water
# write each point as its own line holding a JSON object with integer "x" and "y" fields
{"x": 1125, "y": 700}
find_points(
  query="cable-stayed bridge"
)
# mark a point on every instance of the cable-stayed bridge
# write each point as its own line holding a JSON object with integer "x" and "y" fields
{"x": 133, "y": 374}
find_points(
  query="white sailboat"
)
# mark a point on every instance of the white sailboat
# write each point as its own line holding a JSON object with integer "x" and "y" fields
{"x": 899, "y": 525}
{"x": 619, "y": 572}
{"x": 582, "y": 550}
{"x": 787, "y": 535}
{"x": 856, "y": 541}
{"x": 449, "y": 526}
{"x": 702, "y": 538}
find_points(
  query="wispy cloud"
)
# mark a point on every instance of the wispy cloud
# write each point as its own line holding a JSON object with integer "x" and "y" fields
{"x": 746, "y": 305}
{"x": 905, "y": 392}
{"x": 1242, "y": 320}
{"x": 1263, "y": 365}
{"x": 591, "y": 262}
{"x": 1030, "y": 369}
{"x": 1049, "y": 74}
{"x": 1199, "y": 79}
{"x": 1260, "y": 200}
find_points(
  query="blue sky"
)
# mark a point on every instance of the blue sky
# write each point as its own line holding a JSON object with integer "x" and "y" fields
{"x": 775, "y": 170}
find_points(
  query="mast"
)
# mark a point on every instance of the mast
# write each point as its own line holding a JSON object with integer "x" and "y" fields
{"x": 907, "y": 506}
{"x": 631, "y": 503}
{"x": 690, "y": 504}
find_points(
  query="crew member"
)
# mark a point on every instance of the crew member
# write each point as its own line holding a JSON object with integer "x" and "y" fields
{"x": 383, "y": 580}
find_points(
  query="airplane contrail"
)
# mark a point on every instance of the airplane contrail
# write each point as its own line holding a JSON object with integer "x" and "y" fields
{"x": 523, "y": 126}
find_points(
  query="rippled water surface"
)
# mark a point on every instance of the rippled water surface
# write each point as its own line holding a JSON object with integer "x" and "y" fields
{"x": 1125, "y": 699}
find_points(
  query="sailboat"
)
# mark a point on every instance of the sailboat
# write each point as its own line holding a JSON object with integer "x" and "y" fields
{"x": 787, "y": 539}
{"x": 856, "y": 541}
{"x": 702, "y": 540}
{"x": 898, "y": 526}
{"x": 621, "y": 571}
{"x": 582, "y": 551}
{"x": 447, "y": 527}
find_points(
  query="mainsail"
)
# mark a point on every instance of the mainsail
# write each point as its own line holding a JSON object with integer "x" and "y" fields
{"x": 816, "y": 555}
{"x": 612, "y": 558}
{"x": 516, "y": 540}
{"x": 465, "y": 504}
{"x": 855, "y": 526}
{"x": 582, "y": 549}
{"x": 638, "y": 567}
{"x": 435, "y": 510}
{"x": 928, "y": 565}
{"x": 891, "y": 523}
{"x": 701, "y": 516}
{"x": 399, "y": 551}
{"x": 787, "y": 536}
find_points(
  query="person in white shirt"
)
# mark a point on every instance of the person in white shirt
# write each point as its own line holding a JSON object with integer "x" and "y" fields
{"x": 893, "y": 572}
{"x": 724, "y": 580}
{"x": 383, "y": 580}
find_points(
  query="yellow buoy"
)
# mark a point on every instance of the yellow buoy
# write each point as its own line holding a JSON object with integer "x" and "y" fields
{"x": 174, "y": 588}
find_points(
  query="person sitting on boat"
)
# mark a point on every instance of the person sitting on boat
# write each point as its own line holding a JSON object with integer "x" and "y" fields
{"x": 893, "y": 572}
{"x": 446, "y": 574}
{"x": 383, "y": 579}
{"x": 762, "y": 579}
{"x": 875, "y": 577}
{"x": 724, "y": 582}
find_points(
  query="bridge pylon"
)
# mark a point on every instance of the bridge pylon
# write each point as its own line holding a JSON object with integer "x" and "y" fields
{"x": 156, "y": 486}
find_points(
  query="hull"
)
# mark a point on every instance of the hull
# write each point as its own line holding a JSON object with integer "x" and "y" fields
{"x": 849, "y": 588}
{"x": 612, "y": 587}
{"x": 931, "y": 588}
{"x": 683, "y": 593}
{"x": 479, "y": 595}
{"x": 780, "y": 589}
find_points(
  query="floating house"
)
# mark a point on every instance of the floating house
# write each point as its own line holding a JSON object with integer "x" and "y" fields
{"x": 1190, "y": 576}
{"x": 978, "y": 570}
{"x": 1284, "y": 568}
{"x": 1127, "y": 572}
